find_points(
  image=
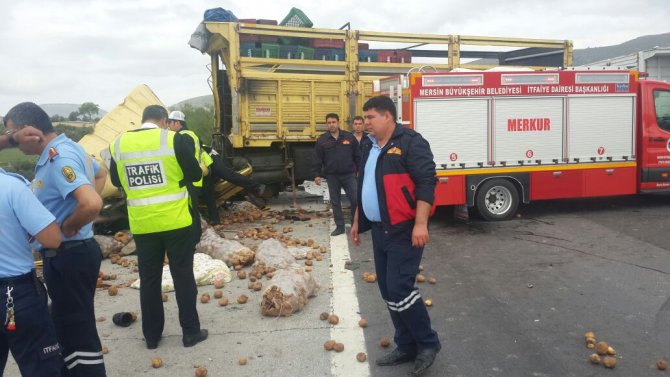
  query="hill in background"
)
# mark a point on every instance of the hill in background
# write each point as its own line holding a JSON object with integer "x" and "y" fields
{"x": 590, "y": 55}
{"x": 202, "y": 101}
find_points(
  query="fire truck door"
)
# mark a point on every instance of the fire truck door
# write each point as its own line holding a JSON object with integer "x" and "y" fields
{"x": 655, "y": 154}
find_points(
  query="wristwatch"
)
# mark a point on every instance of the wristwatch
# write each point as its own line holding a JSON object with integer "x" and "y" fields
{"x": 10, "y": 138}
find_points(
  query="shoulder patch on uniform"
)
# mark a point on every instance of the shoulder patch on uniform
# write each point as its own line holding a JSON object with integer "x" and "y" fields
{"x": 395, "y": 150}
{"x": 52, "y": 154}
{"x": 68, "y": 173}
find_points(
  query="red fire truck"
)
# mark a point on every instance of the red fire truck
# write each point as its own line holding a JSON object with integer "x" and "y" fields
{"x": 500, "y": 138}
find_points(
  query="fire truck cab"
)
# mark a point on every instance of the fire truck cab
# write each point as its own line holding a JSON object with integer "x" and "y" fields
{"x": 500, "y": 138}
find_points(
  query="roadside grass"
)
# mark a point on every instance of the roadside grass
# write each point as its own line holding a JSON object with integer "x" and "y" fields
{"x": 13, "y": 160}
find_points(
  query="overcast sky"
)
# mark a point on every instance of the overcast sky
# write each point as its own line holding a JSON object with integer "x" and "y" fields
{"x": 74, "y": 51}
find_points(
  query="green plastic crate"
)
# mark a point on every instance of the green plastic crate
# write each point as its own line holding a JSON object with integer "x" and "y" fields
{"x": 294, "y": 18}
{"x": 306, "y": 53}
{"x": 270, "y": 50}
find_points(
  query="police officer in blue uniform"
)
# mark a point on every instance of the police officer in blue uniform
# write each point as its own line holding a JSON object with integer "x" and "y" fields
{"x": 67, "y": 182}
{"x": 27, "y": 330}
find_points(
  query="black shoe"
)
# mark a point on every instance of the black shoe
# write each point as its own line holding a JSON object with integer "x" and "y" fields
{"x": 424, "y": 359}
{"x": 394, "y": 358}
{"x": 192, "y": 340}
{"x": 255, "y": 200}
{"x": 337, "y": 231}
{"x": 152, "y": 344}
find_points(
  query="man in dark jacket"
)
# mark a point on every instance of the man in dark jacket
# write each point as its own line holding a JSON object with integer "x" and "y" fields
{"x": 396, "y": 185}
{"x": 336, "y": 155}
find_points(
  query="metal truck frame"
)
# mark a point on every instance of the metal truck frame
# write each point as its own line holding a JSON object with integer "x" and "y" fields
{"x": 270, "y": 110}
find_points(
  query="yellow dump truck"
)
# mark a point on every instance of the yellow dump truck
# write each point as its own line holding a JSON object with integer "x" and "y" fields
{"x": 273, "y": 85}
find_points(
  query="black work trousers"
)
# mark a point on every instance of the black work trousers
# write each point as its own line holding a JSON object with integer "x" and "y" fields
{"x": 71, "y": 276}
{"x": 196, "y": 227}
{"x": 151, "y": 249}
{"x": 397, "y": 264}
{"x": 336, "y": 182}
{"x": 33, "y": 343}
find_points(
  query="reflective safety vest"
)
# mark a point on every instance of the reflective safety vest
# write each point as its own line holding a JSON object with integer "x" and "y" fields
{"x": 198, "y": 156}
{"x": 206, "y": 158}
{"x": 150, "y": 176}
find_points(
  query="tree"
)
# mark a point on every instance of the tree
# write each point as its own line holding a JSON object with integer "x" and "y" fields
{"x": 201, "y": 121}
{"x": 57, "y": 118}
{"x": 74, "y": 133}
{"x": 88, "y": 109}
{"x": 73, "y": 116}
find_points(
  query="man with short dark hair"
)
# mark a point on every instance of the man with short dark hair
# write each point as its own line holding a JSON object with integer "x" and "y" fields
{"x": 68, "y": 182}
{"x": 358, "y": 128}
{"x": 336, "y": 156}
{"x": 152, "y": 164}
{"x": 396, "y": 187}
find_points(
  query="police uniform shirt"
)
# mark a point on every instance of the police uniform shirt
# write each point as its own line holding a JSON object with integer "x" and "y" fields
{"x": 62, "y": 168}
{"x": 22, "y": 216}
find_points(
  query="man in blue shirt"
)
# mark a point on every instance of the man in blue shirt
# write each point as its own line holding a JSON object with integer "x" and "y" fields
{"x": 68, "y": 181}
{"x": 29, "y": 331}
{"x": 397, "y": 190}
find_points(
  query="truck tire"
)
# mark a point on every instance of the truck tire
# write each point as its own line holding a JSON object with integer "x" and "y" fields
{"x": 497, "y": 199}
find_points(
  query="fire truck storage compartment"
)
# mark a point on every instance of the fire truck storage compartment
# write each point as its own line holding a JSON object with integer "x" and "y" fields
{"x": 556, "y": 184}
{"x": 457, "y": 130}
{"x": 450, "y": 190}
{"x": 601, "y": 128}
{"x": 610, "y": 181}
{"x": 527, "y": 130}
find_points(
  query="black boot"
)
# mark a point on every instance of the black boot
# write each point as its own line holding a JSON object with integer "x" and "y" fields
{"x": 394, "y": 358}
{"x": 339, "y": 230}
{"x": 424, "y": 359}
{"x": 192, "y": 340}
{"x": 258, "y": 201}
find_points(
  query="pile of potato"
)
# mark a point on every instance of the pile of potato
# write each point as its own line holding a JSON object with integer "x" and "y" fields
{"x": 604, "y": 354}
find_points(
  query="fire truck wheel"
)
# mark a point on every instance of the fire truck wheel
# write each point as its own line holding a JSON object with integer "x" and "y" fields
{"x": 497, "y": 199}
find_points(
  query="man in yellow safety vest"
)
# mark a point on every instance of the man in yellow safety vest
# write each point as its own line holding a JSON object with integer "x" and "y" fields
{"x": 153, "y": 165}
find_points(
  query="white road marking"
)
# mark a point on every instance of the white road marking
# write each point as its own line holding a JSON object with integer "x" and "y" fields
{"x": 345, "y": 305}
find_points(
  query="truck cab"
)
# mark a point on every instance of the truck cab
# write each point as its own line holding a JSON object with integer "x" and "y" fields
{"x": 654, "y": 140}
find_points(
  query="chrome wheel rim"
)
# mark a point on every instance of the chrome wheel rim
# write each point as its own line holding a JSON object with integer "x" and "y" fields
{"x": 498, "y": 200}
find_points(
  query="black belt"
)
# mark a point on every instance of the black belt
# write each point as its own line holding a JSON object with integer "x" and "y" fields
{"x": 15, "y": 279}
{"x": 67, "y": 245}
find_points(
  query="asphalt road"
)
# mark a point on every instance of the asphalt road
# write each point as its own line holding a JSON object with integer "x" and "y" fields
{"x": 512, "y": 299}
{"x": 515, "y": 298}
